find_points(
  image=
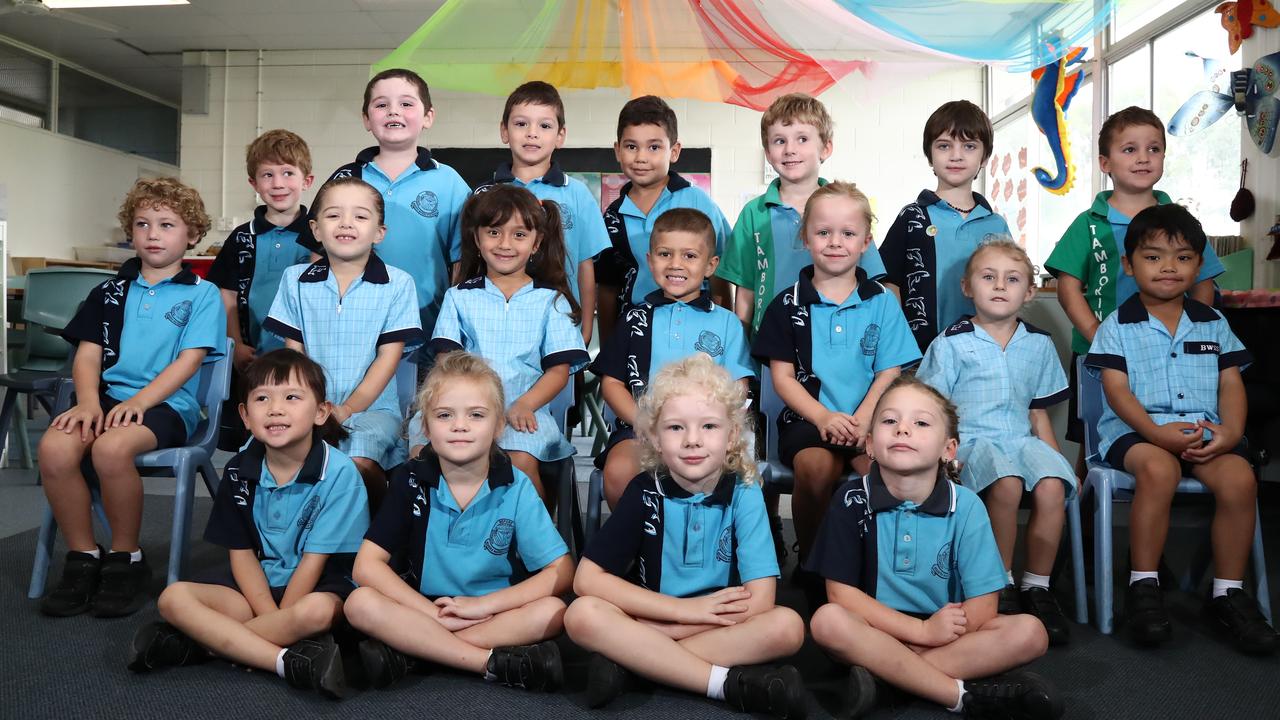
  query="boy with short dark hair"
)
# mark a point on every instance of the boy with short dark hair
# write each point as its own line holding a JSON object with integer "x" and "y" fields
{"x": 533, "y": 127}
{"x": 140, "y": 339}
{"x": 647, "y": 146}
{"x": 926, "y": 249}
{"x": 1170, "y": 369}
{"x": 255, "y": 254}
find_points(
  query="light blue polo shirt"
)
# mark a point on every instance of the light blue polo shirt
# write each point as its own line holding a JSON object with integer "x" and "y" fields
{"x": 323, "y": 510}
{"x": 585, "y": 236}
{"x": 142, "y": 329}
{"x": 1126, "y": 286}
{"x": 1174, "y": 377}
{"x": 912, "y": 558}
{"x": 955, "y": 239}
{"x": 667, "y": 540}
{"x": 423, "y": 219}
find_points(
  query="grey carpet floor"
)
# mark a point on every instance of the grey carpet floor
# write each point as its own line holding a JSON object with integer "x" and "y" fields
{"x": 73, "y": 668}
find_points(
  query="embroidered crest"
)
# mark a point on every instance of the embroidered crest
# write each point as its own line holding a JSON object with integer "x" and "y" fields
{"x": 499, "y": 540}
{"x": 724, "y": 549}
{"x": 871, "y": 339}
{"x": 709, "y": 343}
{"x": 308, "y": 517}
{"x": 426, "y": 204}
{"x": 179, "y": 314}
{"x": 566, "y": 216}
{"x": 942, "y": 566}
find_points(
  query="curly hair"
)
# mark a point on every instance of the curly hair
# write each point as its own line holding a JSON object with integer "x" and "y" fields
{"x": 699, "y": 375}
{"x": 461, "y": 365}
{"x": 169, "y": 192}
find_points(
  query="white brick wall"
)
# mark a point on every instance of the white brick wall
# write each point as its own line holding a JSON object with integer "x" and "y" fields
{"x": 317, "y": 94}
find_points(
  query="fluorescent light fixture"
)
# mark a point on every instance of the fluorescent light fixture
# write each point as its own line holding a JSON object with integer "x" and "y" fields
{"x": 84, "y": 4}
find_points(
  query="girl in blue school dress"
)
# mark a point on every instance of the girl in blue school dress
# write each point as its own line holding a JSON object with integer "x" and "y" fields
{"x": 1003, "y": 374}
{"x": 516, "y": 311}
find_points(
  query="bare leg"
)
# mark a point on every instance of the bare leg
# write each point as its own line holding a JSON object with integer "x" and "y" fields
{"x": 1002, "y": 498}
{"x": 539, "y": 620}
{"x": 528, "y": 465}
{"x": 113, "y": 460}
{"x": 1157, "y": 473}
{"x": 621, "y": 467}
{"x": 1235, "y": 495}
{"x": 1044, "y": 527}
{"x": 59, "y": 457}
{"x": 375, "y": 481}
{"x": 817, "y": 471}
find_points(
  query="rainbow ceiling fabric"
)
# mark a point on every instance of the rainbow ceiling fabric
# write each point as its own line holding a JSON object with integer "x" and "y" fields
{"x": 742, "y": 52}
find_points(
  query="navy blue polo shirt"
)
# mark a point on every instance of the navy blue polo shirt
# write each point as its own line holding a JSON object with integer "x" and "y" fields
{"x": 142, "y": 329}
{"x": 323, "y": 510}
{"x": 912, "y": 558}
{"x": 502, "y": 535}
{"x": 664, "y": 539}
{"x": 250, "y": 264}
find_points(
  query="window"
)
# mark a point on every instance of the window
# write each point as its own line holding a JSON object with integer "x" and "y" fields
{"x": 1129, "y": 80}
{"x": 24, "y": 87}
{"x": 1133, "y": 16}
{"x": 103, "y": 113}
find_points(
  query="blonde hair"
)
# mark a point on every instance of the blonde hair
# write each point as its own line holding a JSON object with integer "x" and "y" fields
{"x": 170, "y": 192}
{"x": 795, "y": 108}
{"x": 462, "y": 365}
{"x": 1011, "y": 250}
{"x": 698, "y": 374}
{"x": 838, "y": 189}
{"x": 950, "y": 415}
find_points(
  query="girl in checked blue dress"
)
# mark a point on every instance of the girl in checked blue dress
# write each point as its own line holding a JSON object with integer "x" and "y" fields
{"x": 516, "y": 311}
{"x": 1003, "y": 374}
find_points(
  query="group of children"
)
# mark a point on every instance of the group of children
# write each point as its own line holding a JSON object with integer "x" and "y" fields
{"x": 908, "y": 479}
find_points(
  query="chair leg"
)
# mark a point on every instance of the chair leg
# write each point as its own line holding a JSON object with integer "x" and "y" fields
{"x": 210, "y": 476}
{"x": 44, "y": 554}
{"x": 184, "y": 475}
{"x": 1260, "y": 568}
{"x": 1077, "y": 560}
{"x": 6, "y": 417}
{"x": 595, "y": 496}
{"x": 1103, "y": 579}
{"x": 568, "y": 520}
{"x": 24, "y": 442}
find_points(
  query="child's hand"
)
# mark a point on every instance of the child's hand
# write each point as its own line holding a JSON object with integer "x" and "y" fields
{"x": 945, "y": 625}
{"x": 88, "y": 416}
{"x": 457, "y": 624}
{"x": 838, "y": 429}
{"x": 861, "y": 425}
{"x": 124, "y": 414}
{"x": 466, "y": 608}
{"x": 1221, "y": 442}
{"x": 521, "y": 418}
{"x": 1178, "y": 437}
{"x": 714, "y": 609}
{"x": 341, "y": 412}
{"x": 243, "y": 356}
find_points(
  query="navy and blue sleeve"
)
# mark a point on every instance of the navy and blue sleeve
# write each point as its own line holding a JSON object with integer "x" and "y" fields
{"x": 225, "y": 270}
{"x": 838, "y": 553}
{"x": 1107, "y": 349}
{"x": 391, "y": 527}
{"x": 617, "y": 544}
{"x": 893, "y": 251}
{"x": 612, "y": 358}
{"x": 775, "y": 339}
{"x": 87, "y": 323}
{"x": 228, "y": 522}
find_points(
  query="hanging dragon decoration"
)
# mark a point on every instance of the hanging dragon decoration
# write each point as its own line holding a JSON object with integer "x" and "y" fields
{"x": 1055, "y": 85}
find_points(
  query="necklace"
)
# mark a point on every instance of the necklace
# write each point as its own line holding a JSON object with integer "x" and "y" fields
{"x": 962, "y": 211}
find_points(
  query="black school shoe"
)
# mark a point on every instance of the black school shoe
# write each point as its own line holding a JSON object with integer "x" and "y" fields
{"x": 1144, "y": 613}
{"x": 860, "y": 693}
{"x": 530, "y": 667}
{"x": 1044, "y": 605}
{"x": 122, "y": 586}
{"x": 1010, "y": 603}
{"x": 74, "y": 591}
{"x": 316, "y": 664}
{"x": 1018, "y": 695}
{"x": 1237, "y": 616}
{"x": 384, "y": 666}
{"x": 159, "y": 645}
{"x": 766, "y": 689}
{"x": 606, "y": 681}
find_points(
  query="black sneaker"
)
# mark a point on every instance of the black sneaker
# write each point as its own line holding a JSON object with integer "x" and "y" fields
{"x": 384, "y": 666}
{"x": 158, "y": 645}
{"x": 316, "y": 664}
{"x": 860, "y": 693}
{"x": 531, "y": 667}
{"x": 1236, "y": 615}
{"x": 122, "y": 588}
{"x": 74, "y": 591}
{"x": 1044, "y": 605}
{"x": 1144, "y": 613}
{"x": 766, "y": 689}
{"x": 606, "y": 681}
{"x": 1019, "y": 695}
{"x": 1009, "y": 602}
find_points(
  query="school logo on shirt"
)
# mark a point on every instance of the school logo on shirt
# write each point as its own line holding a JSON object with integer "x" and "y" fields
{"x": 307, "y": 518}
{"x": 566, "y": 216}
{"x": 871, "y": 339}
{"x": 343, "y": 173}
{"x": 709, "y": 343}
{"x": 724, "y": 549}
{"x": 1201, "y": 348}
{"x": 179, "y": 314}
{"x": 942, "y": 566}
{"x": 426, "y": 204}
{"x": 499, "y": 540}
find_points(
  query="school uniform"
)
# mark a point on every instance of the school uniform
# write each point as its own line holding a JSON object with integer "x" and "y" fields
{"x": 837, "y": 349}
{"x": 323, "y": 510}
{"x": 659, "y": 331}
{"x": 1174, "y": 376}
{"x": 925, "y": 252}
{"x": 142, "y": 329}
{"x": 995, "y": 389}
{"x": 625, "y": 264}
{"x": 343, "y": 333}
{"x": 521, "y": 338}
{"x": 501, "y": 537}
{"x": 423, "y": 219}
{"x": 766, "y": 251}
{"x": 912, "y": 558}
{"x": 250, "y": 264}
{"x": 664, "y": 539}
{"x": 585, "y": 236}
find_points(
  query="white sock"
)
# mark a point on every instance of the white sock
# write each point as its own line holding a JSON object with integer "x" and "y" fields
{"x": 1135, "y": 576}
{"x": 1008, "y": 577}
{"x": 1030, "y": 580}
{"x": 959, "y": 706}
{"x": 135, "y": 556}
{"x": 715, "y": 685}
{"x": 95, "y": 552}
{"x": 280, "y": 662}
{"x": 1220, "y": 586}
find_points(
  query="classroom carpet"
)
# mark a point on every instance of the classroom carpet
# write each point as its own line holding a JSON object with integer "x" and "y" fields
{"x": 74, "y": 667}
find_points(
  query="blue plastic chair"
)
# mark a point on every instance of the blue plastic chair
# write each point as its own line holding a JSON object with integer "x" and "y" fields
{"x": 1109, "y": 485}
{"x": 182, "y": 463}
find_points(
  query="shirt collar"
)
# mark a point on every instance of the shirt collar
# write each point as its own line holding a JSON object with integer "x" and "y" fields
{"x": 253, "y": 458}
{"x": 554, "y": 176}
{"x": 675, "y": 183}
{"x": 426, "y": 468}
{"x": 966, "y": 325}
{"x": 423, "y": 161}
{"x": 375, "y": 271}
{"x": 131, "y": 269}
{"x": 481, "y": 282}
{"x": 1133, "y": 311}
{"x": 941, "y": 500}
{"x": 808, "y": 294}
{"x": 262, "y": 226}
{"x": 773, "y": 194}
{"x": 1101, "y": 208}
{"x": 928, "y": 198}
{"x": 721, "y": 495}
{"x": 702, "y": 302}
